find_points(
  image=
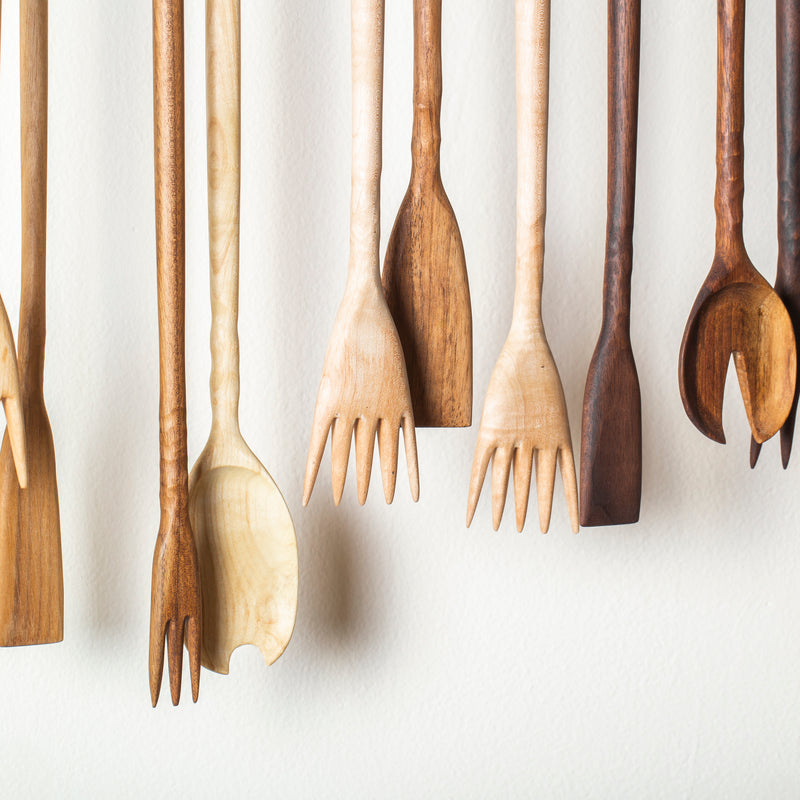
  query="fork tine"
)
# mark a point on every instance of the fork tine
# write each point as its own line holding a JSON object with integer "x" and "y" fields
{"x": 567, "y": 463}
{"x": 156, "y": 659}
{"x": 387, "y": 452}
{"x": 501, "y": 468}
{"x": 16, "y": 435}
{"x": 319, "y": 435}
{"x": 193, "y": 646}
{"x": 523, "y": 469}
{"x": 341, "y": 433}
{"x": 480, "y": 463}
{"x": 175, "y": 659}
{"x": 365, "y": 449}
{"x": 545, "y": 483}
{"x": 412, "y": 465}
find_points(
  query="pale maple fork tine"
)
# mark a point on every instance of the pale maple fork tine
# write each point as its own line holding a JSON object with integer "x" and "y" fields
{"x": 525, "y": 414}
{"x": 364, "y": 374}
{"x": 10, "y": 395}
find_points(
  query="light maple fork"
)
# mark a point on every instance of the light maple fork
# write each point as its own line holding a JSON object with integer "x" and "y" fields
{"x": 364, "y": 390}
{"x": 245, "y": 537}
{"x": 525, "y": 415}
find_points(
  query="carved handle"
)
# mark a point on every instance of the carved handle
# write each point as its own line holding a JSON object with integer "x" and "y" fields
{"x": 170, "y": 247}
{"x": 427, "y": 136}
{"x": 533, "y": 73}
{"x": 623, "y": 110}
{"x": 367, "y": 64}
{"x": 223, "y": 108}
{"x": 729, "y": 196}
{"x": 33, "y": 118}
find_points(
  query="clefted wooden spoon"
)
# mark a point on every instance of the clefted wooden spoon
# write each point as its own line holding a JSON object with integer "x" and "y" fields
{"x": 736, "y": 312}
{"x": 425, "y": 272}
{"x": 787, "y": 283}
{"x": 31, "y": 576}
{"x": 245, "y": 537}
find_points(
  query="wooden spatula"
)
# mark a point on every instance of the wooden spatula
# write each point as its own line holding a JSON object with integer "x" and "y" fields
{"x": 245, "y": 537}
{"x": 425, "y": 272}
{"x": 32, "y": 593}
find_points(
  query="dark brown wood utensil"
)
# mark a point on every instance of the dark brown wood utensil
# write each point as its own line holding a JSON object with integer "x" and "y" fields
{"x": 611, "y": 433}
{"x": 425, "y": 273}
{"x": 175, "y": 602}
{"x": 736, "y": 311}
{"x": 31, "y": 576}
{"x": 787, "y": 283}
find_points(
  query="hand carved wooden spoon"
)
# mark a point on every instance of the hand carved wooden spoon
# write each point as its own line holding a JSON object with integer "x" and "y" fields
{"x": 425, "y": 272}
{"x": 364, "y": 386}
{"x": 736, "y": 312}
{"x": 245, "y": 537}
{"x": 525, "y": 415}
{"x": 175, "y": 605}
{"x": 31, "y": 575}
{"x": 611, "y": 433}
{"x": 787, "y": 283}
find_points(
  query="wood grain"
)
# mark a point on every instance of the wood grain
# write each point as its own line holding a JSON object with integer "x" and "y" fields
{"x": 736, "y": 311}
{"x": 364, "y": 389}
{"x": 175, "y": 610}
{"x": 611, "y": 430}
{"x": 525, "y": 421}
{"x": 787, "y": 283}
{"x": 245, "y": 537}
{"x": 31, "y": 575}
{"x": 425, "y": 271}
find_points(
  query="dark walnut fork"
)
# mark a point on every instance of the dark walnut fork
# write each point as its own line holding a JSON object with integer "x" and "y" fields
{"x": 787, "y": 283}
{"x": 736, "y": 311}
{"x": 175, "y": 611}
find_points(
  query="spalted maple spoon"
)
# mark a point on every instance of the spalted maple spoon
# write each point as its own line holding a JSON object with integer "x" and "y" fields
{"x": 736, "y": 312}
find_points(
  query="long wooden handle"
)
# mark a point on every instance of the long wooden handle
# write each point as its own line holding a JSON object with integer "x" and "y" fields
{"x": 33, "y": 118}
{"x": 223, "y": 110}
{"x": 729, "y": 195}
{"x": 170, "y": 247}
{"x": 624, "y": 18}
{"x": 427, "y": 135}
{"x": 367, "y": 18}
{"x": 788, "y": 39}
{"x": 532, "y": 77}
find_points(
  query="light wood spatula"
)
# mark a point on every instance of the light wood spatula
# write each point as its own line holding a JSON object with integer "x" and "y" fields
{"x": 32, "y": 593}
{"x": 245, "y": 537}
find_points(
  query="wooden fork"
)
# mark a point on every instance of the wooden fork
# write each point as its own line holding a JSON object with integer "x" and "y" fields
{"x": 525, "y": 415}
{"x": 364, "y": 389}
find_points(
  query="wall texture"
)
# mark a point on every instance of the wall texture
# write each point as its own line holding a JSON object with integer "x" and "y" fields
{"x": 660, "y": 660}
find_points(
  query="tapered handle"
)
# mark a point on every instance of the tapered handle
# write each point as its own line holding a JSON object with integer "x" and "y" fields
{"x": 170, "y": 247}
{"x": 788, "y": 39}
{"x": 729, "y": 196}
{"x": 532, "y": 76}
{"x": 624, "y": 23}
{"x": 33, "y": 119}
{"x": 427, "y": 135}
{"x": 367, "y": 18}
{"x": 223, "y": 111}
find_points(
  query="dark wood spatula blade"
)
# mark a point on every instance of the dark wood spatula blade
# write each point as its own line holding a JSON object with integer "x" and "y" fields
{"x": 611, "y": 438}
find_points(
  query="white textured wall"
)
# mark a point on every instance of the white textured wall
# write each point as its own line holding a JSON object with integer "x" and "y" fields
{"x": 655, "y": 661}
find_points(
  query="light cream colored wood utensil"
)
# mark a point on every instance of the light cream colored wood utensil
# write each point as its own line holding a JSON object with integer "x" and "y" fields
{"x": 245, "y": 537}
{"x": 31, "y": 576}
{"x": 364, "y": 387}
{"x": 525, "y": 416}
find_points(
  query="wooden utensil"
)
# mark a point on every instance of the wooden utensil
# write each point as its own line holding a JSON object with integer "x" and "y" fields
{"x": 245, "y": 537}
{"x": 736, "y": 311}
{"x": 175, "y": 610}
{"x": 10, "y": 394}
{"x": 32, "y": 596}
{"x": 525, "y": 415}
{"x": 364, "y": 386}
{"x": 425, "y": 272}
{"x": 611, "y": 430}
{"x": 787, "y": 283}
